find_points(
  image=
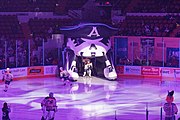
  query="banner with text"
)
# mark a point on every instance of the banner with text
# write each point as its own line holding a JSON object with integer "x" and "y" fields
{"x": 151, "y": 71}
{"x": 132, "y": 70}
{"x": 19, "y": 72}
{"x": 50, "y": 70}
{"x": 167, "y": 72}
{"x": 35, "y": 71}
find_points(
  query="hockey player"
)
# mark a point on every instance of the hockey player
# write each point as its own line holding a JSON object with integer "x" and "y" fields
{"x": 87, "y": 68}
{"x": 64, "y": 75}
{"x": 49, "y": 107}
{"x": 5, "y": 112}
{"x": 7, "y": 77}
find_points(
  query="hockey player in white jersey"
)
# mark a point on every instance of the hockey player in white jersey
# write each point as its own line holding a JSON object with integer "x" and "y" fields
{"x": 7, "y": 77}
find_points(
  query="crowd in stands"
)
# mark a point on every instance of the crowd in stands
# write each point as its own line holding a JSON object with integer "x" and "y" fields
{"x": 10, "y": 26}
{"x": 160, "y": 26}
{"x": 55, "y": 6}
{"x": 157, "y": 6}
{"x": 8, "y": 52}
{"x": 45, "y": 27}
{"x": 132, "y": 25}
{"x": 172, "y": 62}
{"x": 42, "y": 28}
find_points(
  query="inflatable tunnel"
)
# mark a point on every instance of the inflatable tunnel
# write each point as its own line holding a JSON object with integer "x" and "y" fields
{"x": 92, "y": 41}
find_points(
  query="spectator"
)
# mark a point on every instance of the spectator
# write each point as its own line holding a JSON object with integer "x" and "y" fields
{"x": 5, "y": 112}
{"x": 170, "y": 108}
{"x": 166, "y": 30}
{"x": 34, "y": 60}
{"x": 137, "y": 61}
{"x": 173, "y": 61}
{"x": 50, "y": 32}
{"x": 147, "y": 30}
{"x": 156, "y": 29}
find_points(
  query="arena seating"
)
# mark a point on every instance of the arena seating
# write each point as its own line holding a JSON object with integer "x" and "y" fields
{"x": 27, "y": 5}
{"x": 122, "y": 5}
{"x": 132, "y": 25}
{"x": 56, "y": 6}
{"x": 10, "y": 27}
{"x": 44, "y": 27}
{"x": 157, "y": 6}
{"x": 147, "y": 26}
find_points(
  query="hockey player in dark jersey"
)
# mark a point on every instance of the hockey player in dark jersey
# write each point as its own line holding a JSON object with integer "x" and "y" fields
{"x": 169, "y": 107}
{"x": 7, "y": 77}
{"x": 49, "y": 107}
{"x": 5, "y": 112}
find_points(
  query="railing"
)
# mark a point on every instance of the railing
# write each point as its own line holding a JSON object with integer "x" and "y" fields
{"x": 35, "y": 52}
{"x": 147, "y": 51}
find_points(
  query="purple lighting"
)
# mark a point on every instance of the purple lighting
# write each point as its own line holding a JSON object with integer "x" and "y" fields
{"x": 89, "y": 98}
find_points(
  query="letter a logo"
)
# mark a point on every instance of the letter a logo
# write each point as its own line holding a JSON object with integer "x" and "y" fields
{"x": 94, "y": 32}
